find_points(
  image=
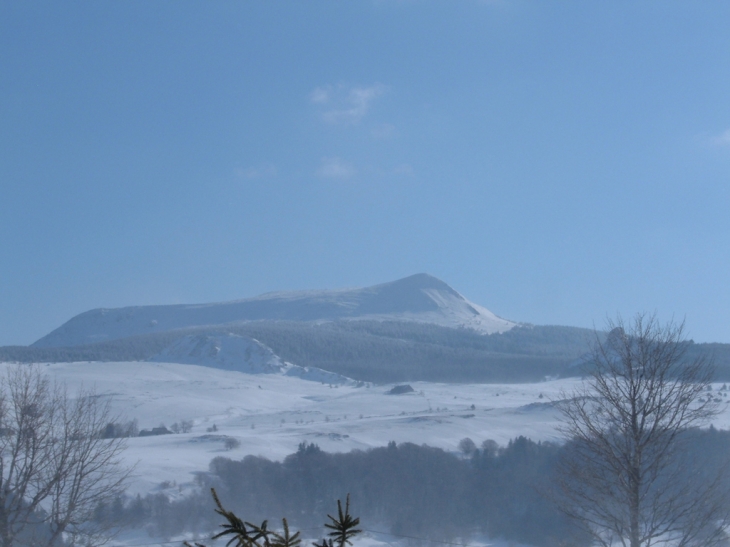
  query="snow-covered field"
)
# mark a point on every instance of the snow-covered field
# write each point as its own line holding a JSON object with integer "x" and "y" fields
{"x": 270, "y": 414}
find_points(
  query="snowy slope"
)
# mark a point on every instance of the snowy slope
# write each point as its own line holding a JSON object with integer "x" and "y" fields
{"x": 420, "y": 298}
{"x": 272, "y": 413}
{"x": 232, "y": 352}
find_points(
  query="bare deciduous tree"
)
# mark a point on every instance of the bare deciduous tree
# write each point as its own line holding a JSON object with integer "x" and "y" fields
{"x": 624, "y": 477}
{"x": 55, "y": 467}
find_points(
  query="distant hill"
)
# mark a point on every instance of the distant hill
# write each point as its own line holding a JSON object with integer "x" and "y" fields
{"x": 419, "y": 298}
{"x": 375, "y": 351}
{"x": 417, "y": 328}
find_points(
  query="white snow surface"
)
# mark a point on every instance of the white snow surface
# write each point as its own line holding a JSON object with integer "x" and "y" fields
{"x": 419, "y": 298}
{"x": 271, "y": 413}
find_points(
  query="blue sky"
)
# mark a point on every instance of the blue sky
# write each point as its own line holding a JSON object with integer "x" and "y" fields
{"x": 556, "y": 162}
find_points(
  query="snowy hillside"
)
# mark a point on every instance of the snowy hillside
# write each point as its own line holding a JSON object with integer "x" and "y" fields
{"x": 418, "y": 298}
{"x": 270, "y": 414}
{"x": 225, "y": 351}
{"x": 231, "y": 352}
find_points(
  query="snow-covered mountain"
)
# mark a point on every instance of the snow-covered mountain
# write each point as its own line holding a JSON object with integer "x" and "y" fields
{"x": 419, "y": 298}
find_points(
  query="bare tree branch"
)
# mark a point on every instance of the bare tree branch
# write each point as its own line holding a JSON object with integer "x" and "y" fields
{"x": 55, "y": 467}
{"x": 622, "y": 476}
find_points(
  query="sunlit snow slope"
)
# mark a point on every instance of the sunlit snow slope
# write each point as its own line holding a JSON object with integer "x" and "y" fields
{"x": 420, "y": 298}
{"x": 231, "y": 352}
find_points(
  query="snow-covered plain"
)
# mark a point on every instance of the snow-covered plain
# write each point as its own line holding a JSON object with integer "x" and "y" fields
{"x": 270, "y": 414}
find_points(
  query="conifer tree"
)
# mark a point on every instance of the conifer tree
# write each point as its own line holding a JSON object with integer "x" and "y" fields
{"x": 343, "y": 527}
{"x": 286, "y": 539}
{"x": 246, "y": 534}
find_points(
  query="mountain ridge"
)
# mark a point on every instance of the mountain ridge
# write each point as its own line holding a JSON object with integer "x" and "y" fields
{"x": 419, "y": 298}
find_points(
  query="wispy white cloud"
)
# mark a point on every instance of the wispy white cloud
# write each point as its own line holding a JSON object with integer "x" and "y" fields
{"x": 335, "y": 168}
{"x": 723, "y": 139}
{"x": 321, "y": 95}
{"x": 266, "y": 170}
{"x": 343, "y": 104}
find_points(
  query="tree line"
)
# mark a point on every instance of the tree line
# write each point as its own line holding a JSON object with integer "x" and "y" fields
{"x": 383, "y": 351}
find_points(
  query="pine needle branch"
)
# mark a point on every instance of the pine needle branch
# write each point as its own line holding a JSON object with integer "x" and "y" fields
{"x": 260, "y": 532}
{"x": 343, "y": 527}
{"x": 285, "y": 539}
{"x": 235, "y": 526}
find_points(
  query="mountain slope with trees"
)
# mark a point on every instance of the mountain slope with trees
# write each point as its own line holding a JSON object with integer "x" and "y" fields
{"x": 383, "y": 351}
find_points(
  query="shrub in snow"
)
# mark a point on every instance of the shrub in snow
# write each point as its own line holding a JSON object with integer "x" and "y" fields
{"x": 399, "y": 390}
{"x": 230, "y": 443}
{"x": 114, "y": 430}
{"x": 161, "y": 430}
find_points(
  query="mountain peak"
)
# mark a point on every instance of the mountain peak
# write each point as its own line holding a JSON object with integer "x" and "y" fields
{"x": 421, "y": 281}
{"x": 420, "y": 298}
